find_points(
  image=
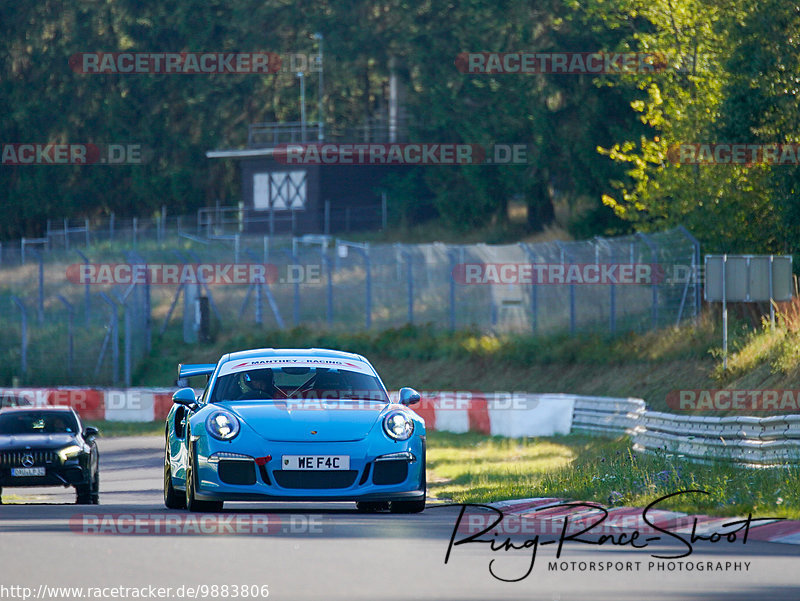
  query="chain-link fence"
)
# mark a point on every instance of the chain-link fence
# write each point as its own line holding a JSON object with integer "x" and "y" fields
{"x": 82, "y": 312}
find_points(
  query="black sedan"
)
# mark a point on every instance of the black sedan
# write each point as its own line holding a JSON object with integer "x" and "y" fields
{"x": 46, "y": 446}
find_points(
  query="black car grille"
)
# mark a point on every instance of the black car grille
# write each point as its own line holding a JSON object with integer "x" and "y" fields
{"x": 14, "y": 458}
{"x": 315, "y": 479}
{"x": 390, "y": 472}
{"x": 237, "y": 472}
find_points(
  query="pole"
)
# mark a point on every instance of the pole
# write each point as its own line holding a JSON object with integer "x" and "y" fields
{"x": 70, "y": 338}
{"x": 320, "y": 108}
{"x": 771, "y": 305}
{"x": 724, "y": 315}
{"x": 86, "y": 293}
{"x": 301, "y": 75}
{"x": 24, "y": 341}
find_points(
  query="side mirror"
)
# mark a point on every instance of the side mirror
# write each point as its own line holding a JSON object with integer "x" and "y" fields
{"x": 409, "y": 396}
{"x": 90, "y": 432}
{"x": 185, "y": 397}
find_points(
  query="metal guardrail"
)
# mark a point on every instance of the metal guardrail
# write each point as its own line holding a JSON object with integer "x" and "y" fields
{"x": 751, "y": 441}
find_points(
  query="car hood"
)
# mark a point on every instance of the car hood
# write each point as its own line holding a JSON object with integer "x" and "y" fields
{"x": 17, "y": 442}
{"x": 339, "y": 421}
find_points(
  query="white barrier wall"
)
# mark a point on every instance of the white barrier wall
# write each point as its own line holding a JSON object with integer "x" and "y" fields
{"x": 748, "y": 440}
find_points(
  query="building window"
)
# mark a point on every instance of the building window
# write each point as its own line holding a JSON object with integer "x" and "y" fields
{"x": 279, "y": 190}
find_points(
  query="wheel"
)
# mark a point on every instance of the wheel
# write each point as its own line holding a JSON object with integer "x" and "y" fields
{"x": 192, "y": 504}
{"x": 96, "y": 488}
{"x": 408, "y": 506}
{"x": 172, "y": 498}
{"x": 89, "y": 493}
{"x": 371, "y": 506}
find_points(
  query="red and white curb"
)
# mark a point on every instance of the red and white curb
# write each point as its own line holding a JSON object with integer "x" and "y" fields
{"x": 112, "y": 404}
{"x": 533, "y": 516}
{"x": 496, "y": 414}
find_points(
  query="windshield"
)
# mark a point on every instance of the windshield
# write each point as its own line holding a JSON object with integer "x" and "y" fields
{"x": 38, "y": 422}
{"x": 298, "y": 383}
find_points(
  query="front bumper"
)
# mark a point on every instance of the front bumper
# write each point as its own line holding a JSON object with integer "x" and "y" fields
{"x": 399, "y": 478}
{"x": 69, "y": 474}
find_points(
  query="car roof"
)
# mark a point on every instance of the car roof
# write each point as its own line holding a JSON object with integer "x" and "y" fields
{"x": 292, "y": 352}
{"x": 48, "y": 408}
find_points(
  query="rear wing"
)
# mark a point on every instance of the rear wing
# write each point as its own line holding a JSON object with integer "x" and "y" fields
{"x": 187, "y": 370}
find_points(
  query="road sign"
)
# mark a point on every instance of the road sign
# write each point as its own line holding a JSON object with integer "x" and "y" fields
{"x": 747, "y": 279}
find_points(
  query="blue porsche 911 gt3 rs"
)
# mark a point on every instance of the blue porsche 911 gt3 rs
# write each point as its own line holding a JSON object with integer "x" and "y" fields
{"x": 293, "y": 425}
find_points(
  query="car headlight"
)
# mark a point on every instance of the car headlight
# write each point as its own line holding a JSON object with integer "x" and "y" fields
{"x": 222, "y": 425}
{"x": 398, "y": 425}
{"x": 69, "y": 452}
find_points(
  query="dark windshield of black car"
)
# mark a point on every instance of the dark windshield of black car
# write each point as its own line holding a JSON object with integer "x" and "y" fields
{"x": 298, "y": 383}
{"x": 38, "y": 422}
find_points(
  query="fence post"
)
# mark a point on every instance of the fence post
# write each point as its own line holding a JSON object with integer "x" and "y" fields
{"x": 453, "y": 262}
{"x": 86, "y": 231}
{"x": 70, "y": 337}
{"x": 114, "y": 333}
{"x": 40, "y": 297}
{"x": 327, "y": 228}
{"x": 534, "y": 289}
{"x": 111, "y": 227}
{"x": 128, "y": 343}
{"x": 66, "y": 234}
{"x": 259, "y": 318}
{"x": 135, "y": 232}
{"x": 695, "y": 269}
{"x": 329, "y": 296}
{"x": 654, "y": 258}
{"x": 295, "y": 286}
{"x": 384, "y": 215}
{"x": 85, "y": 287}
{"x": 24, "y": 338}
{"x": 566, "y": 255}
{"x": 410, "y": 264}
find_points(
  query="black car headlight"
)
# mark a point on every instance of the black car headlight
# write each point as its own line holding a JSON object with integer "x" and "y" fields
{"x": 398, "y": 425}
{"x": 222, "y": 425}
{"x": 70, "y": 452}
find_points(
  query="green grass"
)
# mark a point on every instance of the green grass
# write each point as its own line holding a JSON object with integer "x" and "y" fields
{"x": 648, "y": 365}
{"x": 473, "y": 468}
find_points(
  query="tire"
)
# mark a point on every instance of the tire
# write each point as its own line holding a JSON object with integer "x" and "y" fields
{"x": 172, "y": 498}
{"x": 96, "y": 488}
{"x": 371, "y": 506}
{"x": 408, "y": 506}
{"x": 89, "y": 493}
{"x": 192, "y": 504}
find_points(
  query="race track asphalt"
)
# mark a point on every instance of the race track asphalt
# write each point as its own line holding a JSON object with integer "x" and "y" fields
{"x": 331, "y": 552}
